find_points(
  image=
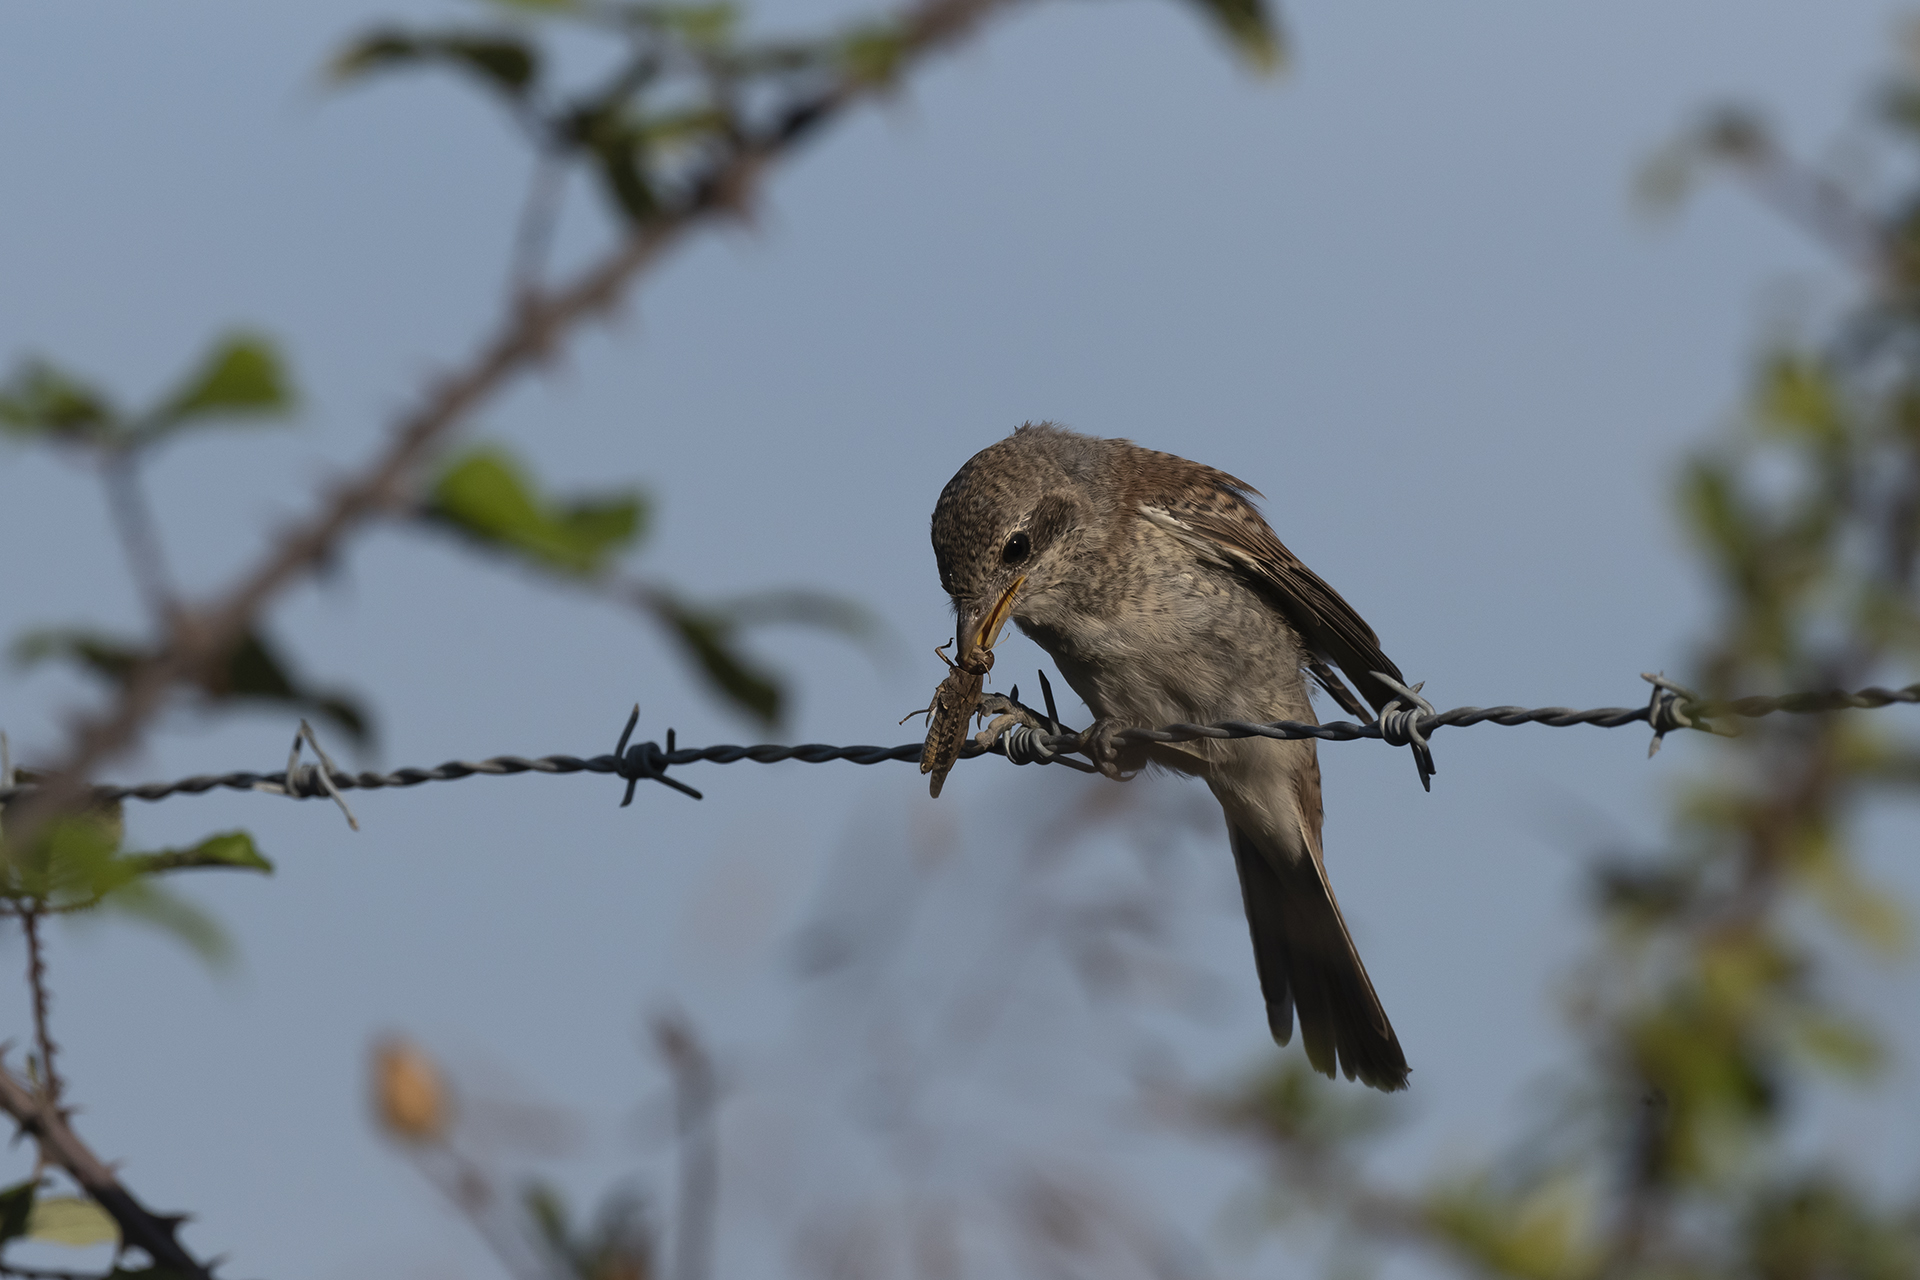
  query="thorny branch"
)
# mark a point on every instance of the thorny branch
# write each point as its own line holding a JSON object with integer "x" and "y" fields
{"x": 197, "y": 638}
{"x": 37, "y": 984}
{"x": 139, "y": 1226}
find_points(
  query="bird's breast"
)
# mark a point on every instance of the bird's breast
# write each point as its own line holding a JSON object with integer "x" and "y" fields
{"x": 1183, "y": 644}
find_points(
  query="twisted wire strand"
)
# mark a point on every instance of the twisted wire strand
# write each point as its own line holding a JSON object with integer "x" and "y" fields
{"x": 1669, "y": 708}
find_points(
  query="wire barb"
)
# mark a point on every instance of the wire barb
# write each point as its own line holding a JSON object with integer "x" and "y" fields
{"x": 1400, "y": 724}
{"x": 304, "y": 781}
{"x": 645, "y": 760}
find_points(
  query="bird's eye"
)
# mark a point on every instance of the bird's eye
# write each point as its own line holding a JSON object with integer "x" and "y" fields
{"x": 1017, "y": 549}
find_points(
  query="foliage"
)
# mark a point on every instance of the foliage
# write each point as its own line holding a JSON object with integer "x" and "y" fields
{"x": 675, "y": 135}
{"x": 1707, "y": 1017}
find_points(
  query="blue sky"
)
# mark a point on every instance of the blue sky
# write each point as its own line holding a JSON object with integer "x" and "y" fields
{"x": 1403, "y": 289}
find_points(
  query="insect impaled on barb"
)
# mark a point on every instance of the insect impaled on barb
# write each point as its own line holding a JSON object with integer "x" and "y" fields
{"x": 947, "y": 715}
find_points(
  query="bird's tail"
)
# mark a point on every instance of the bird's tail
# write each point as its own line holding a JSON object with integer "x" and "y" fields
{"x": 1308, "y": 964}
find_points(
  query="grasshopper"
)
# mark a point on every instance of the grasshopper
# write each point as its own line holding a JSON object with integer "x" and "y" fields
{"x": 947, "y": 715}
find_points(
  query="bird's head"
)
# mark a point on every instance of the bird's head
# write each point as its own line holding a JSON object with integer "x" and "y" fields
{"x": 1012, "y": 527}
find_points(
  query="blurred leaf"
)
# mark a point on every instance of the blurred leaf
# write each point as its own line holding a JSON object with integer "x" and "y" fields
{"x": 619, "y": 1246}
{"x": 618, "y": 146}
{"x": 72, "y": 1221}
{"x": 1249, "y": 26}
{"x": 1872, "y": 917}
{"x": 1841, "y": 1045}
{"x": 836, "y": 614}
{"x": 485, "y": 495}
{"x": 704, "y": 26}
{"x": 185, "y": 922}
{"x": 681, "y": 128}
{"x": 872, "y": 52}
{"x": 1734, "y": 134}
{"x": 104, "y": 656}
{"x": 619, "y": 157}
{"x": 549, "y": 1214}
{"x": 241, "y": 376}
{"x": 16, "y": 1208}
{"x": 1643, "y": 895}
{"x": 1819, "y": 1229}
{"x": 1796, "y": 397}
{"x": 254, "y": 672}
{"x": 78, "y": 863}
{"x": 709, "y": 639}
{"x": 1290, "y": 1107}
{"x": 71, "y": 863}
{"x": 1542, "y": 1231}
{"x": 39, "y": 399}
{"x": 1666, "y": 178}
{"x": 502, "y": 61}
{"x": 234, "y": 849}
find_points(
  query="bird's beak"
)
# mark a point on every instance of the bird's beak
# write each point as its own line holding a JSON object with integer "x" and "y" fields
{"x": 978, "y": 633}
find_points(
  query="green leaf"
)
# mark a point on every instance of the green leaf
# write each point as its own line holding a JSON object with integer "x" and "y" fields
{"x": 241, "y": 376}
{"x": 72, "y": 1221}
{"x": 234, "y": 849}
{"x": 1249, "y": 26}
{"x": 708, "y": 639}
{"x": 502, "y": 61}
{"x": 486, "y": 496}
{"x": 16, "y": 1208}
{"x": 39, "y": 399}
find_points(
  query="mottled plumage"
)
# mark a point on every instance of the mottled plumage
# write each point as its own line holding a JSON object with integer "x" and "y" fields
{"x": 1163, "y": 596}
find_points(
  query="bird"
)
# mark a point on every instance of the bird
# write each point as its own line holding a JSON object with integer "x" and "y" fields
{"x": 1163, "y": 596}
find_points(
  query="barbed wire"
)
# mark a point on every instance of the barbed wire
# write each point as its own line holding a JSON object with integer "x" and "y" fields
{"x": 1407, "y": 721}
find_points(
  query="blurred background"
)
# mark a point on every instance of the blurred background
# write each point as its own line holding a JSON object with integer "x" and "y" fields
{"x": 1405, "y": 287}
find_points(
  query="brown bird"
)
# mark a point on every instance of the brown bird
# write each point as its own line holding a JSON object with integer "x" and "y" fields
{"x": 1163, "y": 596}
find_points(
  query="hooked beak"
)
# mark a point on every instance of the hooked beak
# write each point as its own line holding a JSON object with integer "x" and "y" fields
{"x": 978, "y": 633}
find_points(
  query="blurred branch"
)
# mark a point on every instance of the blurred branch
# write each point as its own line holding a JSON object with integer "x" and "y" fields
{"x": 696, "y": 1094}
{"x": 139, "y": 533}
{"x": 539, "y": 220}
{"x": 58, "y": 1144}
{"x": 198, "y": 638}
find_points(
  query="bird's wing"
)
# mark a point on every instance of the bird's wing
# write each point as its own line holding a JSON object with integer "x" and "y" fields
{"x": 1224, "y": 529}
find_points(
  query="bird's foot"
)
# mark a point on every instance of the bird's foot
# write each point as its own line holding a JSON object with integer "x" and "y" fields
{"x": 1100, "y": 743}
{"x": 1003, "y": 712}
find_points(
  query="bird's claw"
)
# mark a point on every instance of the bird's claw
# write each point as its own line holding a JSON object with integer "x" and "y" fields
{"x": 1002, "y": 713}
{"x": 1100, "y": 743}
